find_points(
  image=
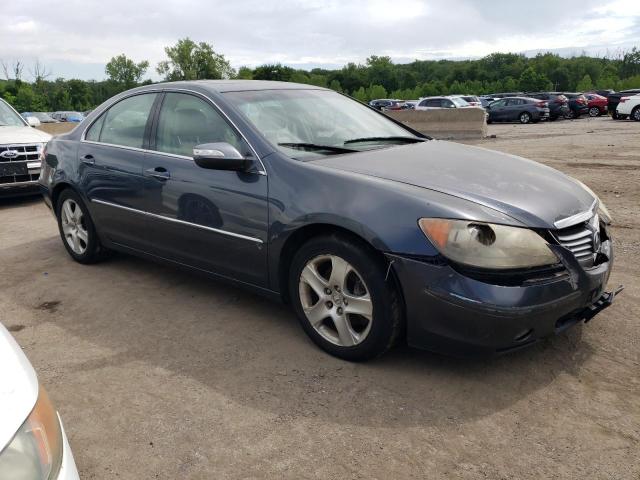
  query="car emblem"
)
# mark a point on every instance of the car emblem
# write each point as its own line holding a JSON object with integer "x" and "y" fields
{"x": 9, "y": 154}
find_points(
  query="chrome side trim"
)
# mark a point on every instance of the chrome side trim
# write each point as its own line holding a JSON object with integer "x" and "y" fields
{"x": 577, "y": 218}
{"x": 262, "y": 171}
{"x": 175, "y": 220}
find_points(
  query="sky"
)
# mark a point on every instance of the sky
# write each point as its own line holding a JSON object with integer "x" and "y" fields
{"x": 76, "y": 38}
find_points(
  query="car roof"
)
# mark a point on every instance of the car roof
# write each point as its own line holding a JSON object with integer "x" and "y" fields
{"x": 221, "y": 86}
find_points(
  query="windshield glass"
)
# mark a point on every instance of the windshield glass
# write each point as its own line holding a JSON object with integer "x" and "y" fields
{"x": 308, "y": 119}
{"x": 8, "y": 117}
{"x": 459, "y": 102}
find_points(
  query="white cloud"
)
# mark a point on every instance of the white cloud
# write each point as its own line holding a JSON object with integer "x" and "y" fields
{"x": 77, "y": 37}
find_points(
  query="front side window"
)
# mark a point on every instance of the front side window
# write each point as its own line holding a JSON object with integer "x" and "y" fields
{"x": 186, "y": 121}
{"x": 124, "y": 123}
{"x": 8, "y": 117}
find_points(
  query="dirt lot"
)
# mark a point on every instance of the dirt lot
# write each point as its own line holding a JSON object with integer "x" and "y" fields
{"x": 159, "y": 374}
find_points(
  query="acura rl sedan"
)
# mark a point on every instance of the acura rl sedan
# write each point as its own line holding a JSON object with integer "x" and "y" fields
{"x": 373, "y": 232}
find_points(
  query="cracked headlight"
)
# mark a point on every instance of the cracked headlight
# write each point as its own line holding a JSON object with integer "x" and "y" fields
{"x": 485, "y": 245}
{"x": 35, "y": 452}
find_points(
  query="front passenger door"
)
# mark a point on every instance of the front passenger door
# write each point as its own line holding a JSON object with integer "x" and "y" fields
{"x": 213, "y": 220}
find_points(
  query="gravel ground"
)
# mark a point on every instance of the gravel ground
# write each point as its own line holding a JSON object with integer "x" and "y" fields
{"x": 159, "y": 374}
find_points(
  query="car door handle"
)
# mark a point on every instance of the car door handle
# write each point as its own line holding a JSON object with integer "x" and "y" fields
{"x": 159, "y": 173}
{"x": 88, "y": 160}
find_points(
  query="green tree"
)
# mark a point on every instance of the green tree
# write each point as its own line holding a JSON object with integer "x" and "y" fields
{"x": 585, "y": 84}
{"x": 274, "y": 72}
{"x": 125, "y": 71}
{"x": 376, "y": 91}
{"x": 194, "y": 61}
{"x": 531, "y": 81}
{"x": 245, "y": 73}
{"x": 360, "y": 94}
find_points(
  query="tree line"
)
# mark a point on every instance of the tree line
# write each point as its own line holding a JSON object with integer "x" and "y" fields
{"x": 378, "y": 77}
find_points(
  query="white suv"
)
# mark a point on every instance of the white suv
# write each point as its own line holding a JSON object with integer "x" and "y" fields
{"x": 21, "y": 149}
{"x": 629, "y": 107}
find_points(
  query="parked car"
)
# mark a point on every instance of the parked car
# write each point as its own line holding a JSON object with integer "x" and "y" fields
{"x": 486, "y": 101}
{"x": 471, "y": 100}
{"x": 411, "y": 104}
{"x": 578, "y": 104}
{"x": 21, "y": 147}
{"x": 518, "y": 109}
{"x": 385, "y": 103}
{"x": 558, "y": 103}
{"x": 430, "y": 103}
{"x": 75, "y": 117}
{"x": 373, "y": 232}
{"x": 505, "y": 95}
{"x": 629, "y": 107}
{"x": 41, "y": 116}
{"x": 614, "y": 98}
{"x": 33, "y": 444}
{"x": 603, "y": 93}
{"x": 597, "y": 104}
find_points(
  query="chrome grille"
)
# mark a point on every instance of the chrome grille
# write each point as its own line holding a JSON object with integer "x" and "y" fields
{"x": 581, "y": 238}
{"x": 19, "y": 163}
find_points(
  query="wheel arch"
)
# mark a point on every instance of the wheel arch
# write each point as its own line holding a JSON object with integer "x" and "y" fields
{"x": 57, "y": 191}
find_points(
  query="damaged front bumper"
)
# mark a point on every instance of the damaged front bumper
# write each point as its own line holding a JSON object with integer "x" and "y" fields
{"x": 450, "y": 312}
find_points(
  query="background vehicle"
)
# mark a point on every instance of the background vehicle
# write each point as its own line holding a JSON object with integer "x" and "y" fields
{"x": 505, "y": 95}
{"x": 518, "y": 109}
{"x": 486, "y": 101}
{"x": 558, "y": 103}
{"x": 33, "y": 444}
{"x": 42, "y": 116}
{"x": 470, "y": 99}
{"x": 196, "y": 168}
{"x": 578, "y": 104}
{"x": 75, "y": 117}
{"x": 430, "y": 103}
{"x": 20, "y": 152}
{"x": 629, "y": 107}
{"x": 389, "y": 104}
{"x": 598, "y": 105}
{"x": 614, "y": 98}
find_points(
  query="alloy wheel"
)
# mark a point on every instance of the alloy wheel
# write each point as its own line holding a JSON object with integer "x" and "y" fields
{"x": 636, "y": 115}
{"x": 525, "y": 118}
{"x": 73, "y": 227}
{"x": 594, "y": 112}
{"x": 336, "y": 300}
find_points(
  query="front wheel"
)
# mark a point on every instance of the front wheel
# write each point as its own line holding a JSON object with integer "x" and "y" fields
{"x": 343, "y": 298}
{"x": 77, "y": 230}
{"x": 594, "y": 112}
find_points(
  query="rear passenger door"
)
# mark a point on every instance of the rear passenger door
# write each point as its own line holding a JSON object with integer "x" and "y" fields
{"x": 213, "y": 220}
{"x": 111, "y": 158}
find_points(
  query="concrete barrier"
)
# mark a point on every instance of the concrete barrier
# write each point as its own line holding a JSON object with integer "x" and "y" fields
{"x": 445, "y": 123}
{"x": 57, "y": 128}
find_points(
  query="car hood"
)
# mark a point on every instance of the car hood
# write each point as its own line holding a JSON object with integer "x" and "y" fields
{"x": 532, "y": 193}
{"x": 22, "y": 135}
{"x": 18, "y": 387}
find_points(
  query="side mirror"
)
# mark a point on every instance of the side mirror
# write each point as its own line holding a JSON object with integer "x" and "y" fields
{"x": 220, "y": 156}
{"x": 33, "y": 122}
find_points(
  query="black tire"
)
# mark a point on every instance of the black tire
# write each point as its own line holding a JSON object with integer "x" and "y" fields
{"x": 94, "y": 251}
{"x": 570, "y": 115}
{"x": 615, "y": 116}
{"x": 525, "y": 117}
{"x": 387, "y": 319}
{"x": 635, "y": 114}
{"x": 594, "y": 112}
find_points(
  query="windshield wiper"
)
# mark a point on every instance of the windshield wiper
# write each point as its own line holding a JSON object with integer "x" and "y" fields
{"x": 385, "y": 139}
{"x": 314, "y": 146}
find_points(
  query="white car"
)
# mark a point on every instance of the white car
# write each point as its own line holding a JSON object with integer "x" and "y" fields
{"x": 21, "y": 149}
{"x": 33, "y": 445}
{"x": 432, "y": 103}
{"x": 629, "y": 107}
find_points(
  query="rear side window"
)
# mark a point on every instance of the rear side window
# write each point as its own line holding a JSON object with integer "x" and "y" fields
{"x": 186, "y": 121}
{"x": 124, "y": 123}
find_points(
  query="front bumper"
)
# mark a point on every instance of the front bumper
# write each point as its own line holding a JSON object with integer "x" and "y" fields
{"x": 68, "y": 470}
{"x": 19, "y": 189}
{"x": 449, "y": 312}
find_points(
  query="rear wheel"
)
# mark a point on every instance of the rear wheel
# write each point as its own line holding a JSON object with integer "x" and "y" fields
{"x": 594, "y": 112}
{"x": 77, "y": 230}
{"x": 525, "y": 117}
{"x": 342, "y": 298}
{"x": 635, "y": 114}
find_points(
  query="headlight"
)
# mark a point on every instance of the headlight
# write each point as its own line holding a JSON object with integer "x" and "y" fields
{"x": 486, "y": 245}
{"x": 35, "y": 452}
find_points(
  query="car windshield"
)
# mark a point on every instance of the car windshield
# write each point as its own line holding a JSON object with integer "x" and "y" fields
{"x": 459, "y": 102}
{"x": 8, "y": 117}
{"x": 302, "y": 122}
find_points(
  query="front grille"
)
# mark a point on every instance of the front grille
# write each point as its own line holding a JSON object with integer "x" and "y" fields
{"x": 580, "y": 239}
{"x": 14, "y": 167}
